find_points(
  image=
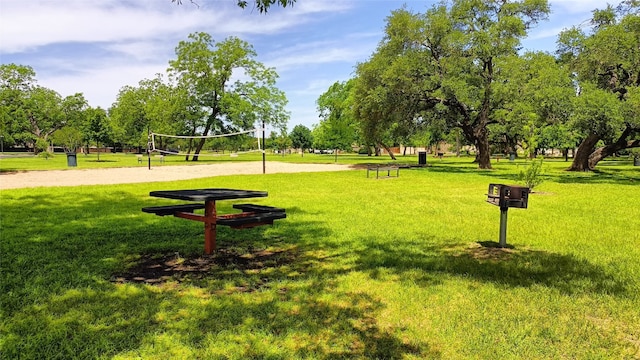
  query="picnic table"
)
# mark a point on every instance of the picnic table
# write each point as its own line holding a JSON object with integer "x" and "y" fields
{"x": 251, "y": 215}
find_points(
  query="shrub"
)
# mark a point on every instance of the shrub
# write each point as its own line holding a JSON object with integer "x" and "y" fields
{"x": 532, "y": 175}
{"x": 45, "y": 155}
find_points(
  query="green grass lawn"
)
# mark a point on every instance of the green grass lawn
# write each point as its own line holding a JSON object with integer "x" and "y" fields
{"x": 399, "y": 268}
{"x": 24, "y": 162}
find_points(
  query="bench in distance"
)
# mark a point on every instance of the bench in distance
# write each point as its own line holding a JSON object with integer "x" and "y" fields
{"x": 381, "y": 168}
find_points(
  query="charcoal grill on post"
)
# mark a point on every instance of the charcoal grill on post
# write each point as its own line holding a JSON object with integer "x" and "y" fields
{"x": 507, "y": 196}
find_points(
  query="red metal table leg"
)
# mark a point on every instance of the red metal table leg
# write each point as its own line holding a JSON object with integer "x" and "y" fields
{"x": 210, "y": 227}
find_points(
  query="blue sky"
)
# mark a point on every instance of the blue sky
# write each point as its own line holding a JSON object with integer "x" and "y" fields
{"x": 98, "y": 46}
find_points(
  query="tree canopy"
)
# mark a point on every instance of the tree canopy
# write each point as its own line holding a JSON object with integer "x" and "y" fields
{"x": 301, "y": 137}
{"x": 337, "y": 128}
{"x": 606, "y": 62}
{"x": 156, "y": 105}
{"x": 443, "y": 64}
{"x": 262, "y": 6}
{"x": 30, "y": 113}
{"x": 224, "y": 80}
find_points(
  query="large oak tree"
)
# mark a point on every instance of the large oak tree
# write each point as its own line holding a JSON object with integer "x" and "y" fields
{"x": 442, "y": 65}
{"x": 607, "y": 66}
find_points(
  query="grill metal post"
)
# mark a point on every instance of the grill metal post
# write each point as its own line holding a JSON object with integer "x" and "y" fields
{"x": 503, "y": 227}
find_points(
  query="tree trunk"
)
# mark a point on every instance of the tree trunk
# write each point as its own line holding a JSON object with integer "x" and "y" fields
{"x": 388, "y": 151}
{"x": 510, "y": 144}
{"x": 205, "y": 132}
{"x": 609, "y": 150}
{"x": 484, "y": 152}
{"x": 190, "y": 146}
{"x": 479, "y": 137}
{"x": 585, "y": 149}
{"x": 198, "y": 149}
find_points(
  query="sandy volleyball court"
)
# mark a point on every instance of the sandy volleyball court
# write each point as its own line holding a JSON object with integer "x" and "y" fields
{"x": 27, "y": 179}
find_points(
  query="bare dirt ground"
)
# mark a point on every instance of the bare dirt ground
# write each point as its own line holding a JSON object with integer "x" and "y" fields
{"x": 74, "y": 177}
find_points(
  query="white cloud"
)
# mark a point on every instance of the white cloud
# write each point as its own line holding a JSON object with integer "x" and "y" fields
{"x": 112, "y": 43}
{"x": 351, "y": 50}
{"x": 141, "y": 50}
{"x": 546, "y": 33}
{"x": 29, "y": 24}
{"x": 318, "y": 56}
{"x": 100, "y": 85}
{"x": 564, "y": 15}
{"x": 315, "y": 87}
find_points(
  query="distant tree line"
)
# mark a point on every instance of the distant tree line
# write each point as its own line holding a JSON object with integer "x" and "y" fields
{"x": 210, "y": 88}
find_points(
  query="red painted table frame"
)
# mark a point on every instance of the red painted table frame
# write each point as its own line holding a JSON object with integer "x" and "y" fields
{"x": 209, "y": 196}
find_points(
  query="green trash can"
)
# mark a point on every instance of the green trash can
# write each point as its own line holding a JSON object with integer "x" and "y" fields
{"x": 72, "y": 159}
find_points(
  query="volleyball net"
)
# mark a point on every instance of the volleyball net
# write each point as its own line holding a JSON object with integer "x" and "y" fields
{"x": 240, "y": 142}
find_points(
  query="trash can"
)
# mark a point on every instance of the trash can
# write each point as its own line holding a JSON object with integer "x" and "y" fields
{"x": 636, "y": 161}
{"x": 422, "y": 158}
{"x": 72, "y": 160}
{"x": 512, "y": 156}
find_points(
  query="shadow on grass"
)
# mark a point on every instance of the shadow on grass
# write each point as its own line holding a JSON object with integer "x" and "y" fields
{"x": 6, "y": 171}
{"x": 612, "y": 172}
{"x": 276, "y": 299}
{"x": 102, "y": 161}
{"x": 484, "y": 261}
{"x": 609, "y": 175}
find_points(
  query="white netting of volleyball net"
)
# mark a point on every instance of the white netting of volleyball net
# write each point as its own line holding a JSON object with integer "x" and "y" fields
{"x": 241, "y": 142}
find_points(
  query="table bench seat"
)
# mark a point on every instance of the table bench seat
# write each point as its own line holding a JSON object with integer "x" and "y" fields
{"x": 172, "y": 209}
{"x": 257, "y": 208}
{"x": 249, "y": 219}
